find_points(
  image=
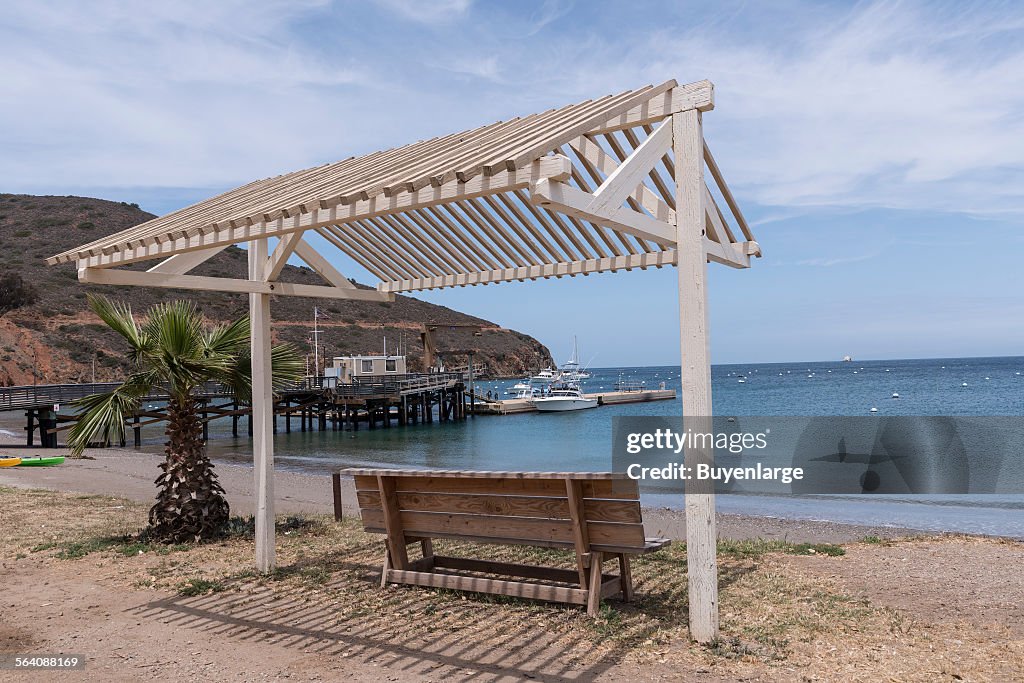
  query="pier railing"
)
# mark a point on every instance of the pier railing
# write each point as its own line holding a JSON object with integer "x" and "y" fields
{"x": 45, "y": 396}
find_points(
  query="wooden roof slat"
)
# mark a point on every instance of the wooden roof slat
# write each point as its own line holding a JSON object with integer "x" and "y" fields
{"x": 424, "y": 254}
{"x": 454, "y": 238}
{"x": 472, "y": 243}
{"x": 516, "y": 253}
{"x": 526, "y": 238}
{"x": 430, "y": 242}
{"x": 366, "y": 246}
{"x": 485, "y": 240}
{"x": 557, "y": 232}
{"x": 578, "y": 123}
{"x": 331, "y": 234}
{"x": 399, "y": 251}
{"x": 537, "y": 232}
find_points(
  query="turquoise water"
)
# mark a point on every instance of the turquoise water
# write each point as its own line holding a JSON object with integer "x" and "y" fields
{"x": 582, "y": 440}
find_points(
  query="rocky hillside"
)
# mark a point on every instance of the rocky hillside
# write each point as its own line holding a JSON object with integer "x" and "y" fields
{"x": 60, "y": 337}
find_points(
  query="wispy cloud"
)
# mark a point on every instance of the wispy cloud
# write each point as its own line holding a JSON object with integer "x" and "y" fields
{"x": 881, "y": 104}
{"x": 434, "y": 12}
{"x": 836, "y": 261}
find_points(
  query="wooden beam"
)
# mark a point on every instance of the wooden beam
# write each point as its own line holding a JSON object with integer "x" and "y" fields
{"x": 655, "y": 259}
{"x": 566, "y": 199}
{"x": 592, "y": 152}
{"x": 729, "y": 254}
{"x": 262, "y": 409}
{"x": 322, "y": 266}
{"x": 699, "y": 95}
{"x": 734, "y": 206}
{"x": 555, "y": 167}
{"x": 695, "y": 366}
{"x": 108, "y": 276}
{"x": 623, "y": 181}
{"x": 180, "y": 264}
{"x": 282, "y": 252}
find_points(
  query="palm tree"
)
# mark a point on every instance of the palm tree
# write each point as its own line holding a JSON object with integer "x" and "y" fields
{"x": 173, "y": 352}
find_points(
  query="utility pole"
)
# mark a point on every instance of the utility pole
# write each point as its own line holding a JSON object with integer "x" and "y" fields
{"x": 316, "y": 343}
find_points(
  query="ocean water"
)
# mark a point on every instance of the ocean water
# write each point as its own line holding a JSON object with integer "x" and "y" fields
{"x": 578, "y": 441}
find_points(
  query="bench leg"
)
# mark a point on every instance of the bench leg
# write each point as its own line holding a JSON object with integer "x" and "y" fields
{"x": 387, "y": 566}
{"x": 625, "y": 578}
{"x": 427, "y": 545}
{"x": 594, "y": 598}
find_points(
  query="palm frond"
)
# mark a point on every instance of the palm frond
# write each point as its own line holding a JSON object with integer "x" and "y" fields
{"x": 228, "y": 340}
{"x": 104, "y": 414}
{"x": 177, "y": 327}
{"x": 118, "y": 317}
{"x": 287, "y": 367}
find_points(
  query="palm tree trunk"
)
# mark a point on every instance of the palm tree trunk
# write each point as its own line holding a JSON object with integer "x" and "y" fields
{"x": 190, "y": 506}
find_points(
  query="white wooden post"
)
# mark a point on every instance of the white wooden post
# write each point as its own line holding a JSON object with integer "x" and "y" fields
{"x": 701, "y": 535}
{"x": 262, "y": 410}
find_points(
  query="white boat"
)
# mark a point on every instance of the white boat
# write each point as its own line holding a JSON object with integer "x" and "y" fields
{"x": 545, "y": 376}
{"x": 563, "y": 399}
{"x": 527, "y": 393}
{"x": 519, "y": 387}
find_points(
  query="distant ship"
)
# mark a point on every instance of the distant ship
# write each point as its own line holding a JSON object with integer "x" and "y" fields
{"x": 847, "y": 359}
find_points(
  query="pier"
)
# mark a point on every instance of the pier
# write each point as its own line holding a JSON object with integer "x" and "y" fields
{"x": 317, "y": 403}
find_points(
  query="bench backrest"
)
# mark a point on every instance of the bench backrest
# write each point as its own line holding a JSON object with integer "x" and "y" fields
{"x": 591, "y": 511}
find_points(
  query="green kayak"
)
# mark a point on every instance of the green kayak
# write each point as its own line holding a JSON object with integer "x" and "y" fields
{"x": 41, "y": 461}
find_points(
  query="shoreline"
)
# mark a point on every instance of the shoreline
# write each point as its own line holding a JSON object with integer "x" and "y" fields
{"x": 130, "y": 475}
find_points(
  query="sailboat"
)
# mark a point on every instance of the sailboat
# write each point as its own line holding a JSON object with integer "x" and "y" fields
{"x": 571, "y": 370}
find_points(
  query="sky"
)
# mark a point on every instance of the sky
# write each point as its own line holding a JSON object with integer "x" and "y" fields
{"x": 877, "y": 148}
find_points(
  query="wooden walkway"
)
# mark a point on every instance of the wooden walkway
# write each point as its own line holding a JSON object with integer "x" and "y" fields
{"x": 318, "y": 402}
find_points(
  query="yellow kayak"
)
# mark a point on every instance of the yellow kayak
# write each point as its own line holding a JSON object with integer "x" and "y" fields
{"x": 9, "y": 462}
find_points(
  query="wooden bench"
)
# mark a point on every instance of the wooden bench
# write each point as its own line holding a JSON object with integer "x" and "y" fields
{"x": 597, "y": 514}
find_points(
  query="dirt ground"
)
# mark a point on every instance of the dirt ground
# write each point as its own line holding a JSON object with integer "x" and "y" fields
{"x": 77, "y": 580}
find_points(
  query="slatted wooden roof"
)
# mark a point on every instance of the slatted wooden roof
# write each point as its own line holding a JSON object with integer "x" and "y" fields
{"x": 544, "y": 195}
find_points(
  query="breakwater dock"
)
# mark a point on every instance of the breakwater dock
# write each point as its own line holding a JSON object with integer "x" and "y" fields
{"x": 483, "y": 405}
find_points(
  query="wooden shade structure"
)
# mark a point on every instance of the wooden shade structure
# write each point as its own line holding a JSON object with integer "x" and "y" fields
{"x": 616, "y": 183}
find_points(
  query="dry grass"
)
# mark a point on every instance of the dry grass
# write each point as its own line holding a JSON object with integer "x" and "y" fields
{"x": 776, "y": 621}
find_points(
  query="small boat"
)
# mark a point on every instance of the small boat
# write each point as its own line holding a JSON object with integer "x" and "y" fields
{"x": 741, "y": 380}
{"x": 9, "y": 462}
{"x": 895, "y": 395}
{"x": 873, "y": 410}
{"x": 519, "y": 387}
{"x": 560, "y": 400}
{"x": 545, "y": 376}
{"x": 41, "y": 461}
{"x": 847, "y": 359}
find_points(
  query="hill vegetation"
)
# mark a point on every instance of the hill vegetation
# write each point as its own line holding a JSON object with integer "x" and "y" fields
{"x": 53, "y": 337}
